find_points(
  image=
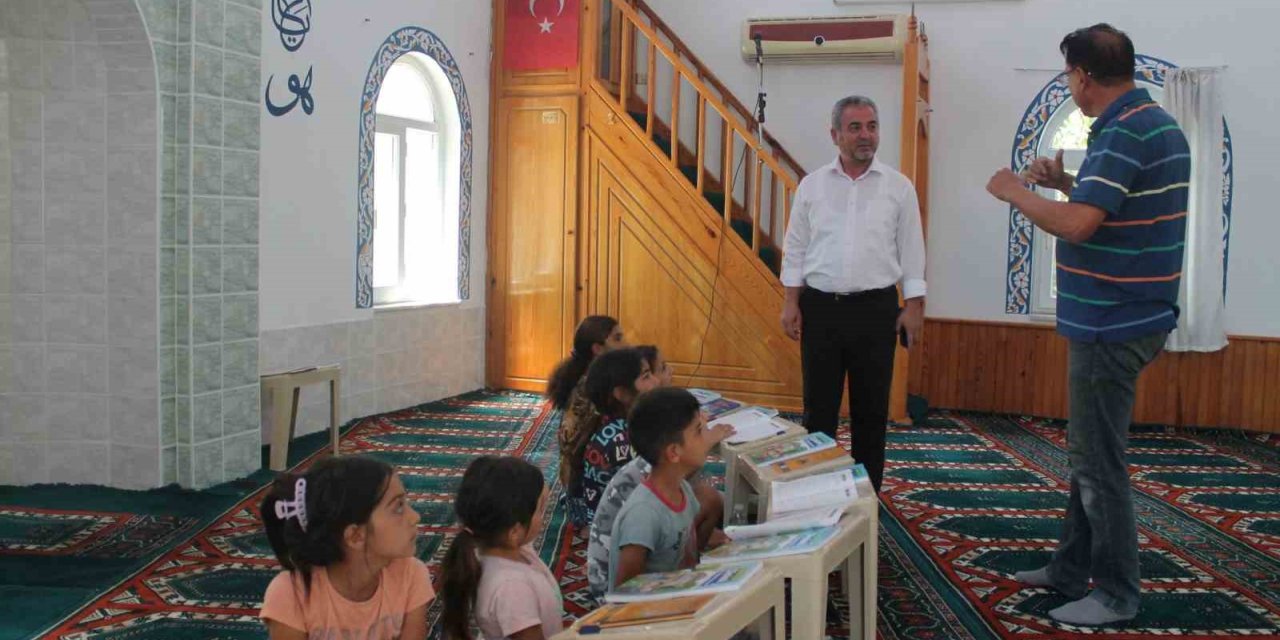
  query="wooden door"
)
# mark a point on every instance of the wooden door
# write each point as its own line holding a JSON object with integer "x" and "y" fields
{"x": 532, "y": 291}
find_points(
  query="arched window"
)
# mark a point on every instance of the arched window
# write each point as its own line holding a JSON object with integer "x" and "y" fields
{"x": 413, "y": 216}
{"x": 1053, "y": 122}
{"x": 415, "y": 225}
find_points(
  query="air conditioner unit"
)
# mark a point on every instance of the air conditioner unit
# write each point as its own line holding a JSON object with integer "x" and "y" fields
{"x": 840, "y": 39}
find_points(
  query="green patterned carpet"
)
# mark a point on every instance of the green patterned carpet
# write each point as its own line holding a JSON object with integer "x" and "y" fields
{"x": 968, "y": 500}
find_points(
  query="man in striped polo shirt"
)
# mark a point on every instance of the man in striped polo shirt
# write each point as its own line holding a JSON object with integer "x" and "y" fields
{"x": 1120, "y": 244}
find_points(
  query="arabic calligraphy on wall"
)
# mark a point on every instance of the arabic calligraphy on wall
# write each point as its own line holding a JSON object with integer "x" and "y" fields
{"x": 292, "y": 19}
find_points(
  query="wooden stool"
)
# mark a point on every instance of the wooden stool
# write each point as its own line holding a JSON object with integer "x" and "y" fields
{"x": 284, "y": 417}
{"x": 732, "y": 453}
{"x": 720, "y": 619}
{"x": 852, "y": 549}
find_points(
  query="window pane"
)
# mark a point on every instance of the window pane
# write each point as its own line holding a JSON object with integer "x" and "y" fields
{"x": 424, "y": 205}
{"x": 386, "y": 207}
{"x": 1074, "y": 131}
{"x": 405, "y": 93}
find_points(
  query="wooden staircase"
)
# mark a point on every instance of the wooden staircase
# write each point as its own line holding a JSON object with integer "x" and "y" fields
{"x": 677, "y": 222}
{"x": 720, "y": 141}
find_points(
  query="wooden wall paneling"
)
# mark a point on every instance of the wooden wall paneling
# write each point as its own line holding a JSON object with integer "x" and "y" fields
{"x": 534, "y": 254}
{"x": 1272, "y": 415}
{"x": 1022, "y": 369}
{"x": 658, "y": 247}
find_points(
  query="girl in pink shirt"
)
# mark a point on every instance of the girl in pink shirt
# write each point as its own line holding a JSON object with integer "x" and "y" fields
{"x": 346, "y": 536}
{"x": 491, "y": 572}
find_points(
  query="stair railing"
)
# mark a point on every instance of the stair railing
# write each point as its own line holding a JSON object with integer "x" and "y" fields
{"x": 634, "y": 28}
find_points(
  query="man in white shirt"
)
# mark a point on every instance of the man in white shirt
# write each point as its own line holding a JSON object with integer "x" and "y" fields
{"x": 854, "y": 235}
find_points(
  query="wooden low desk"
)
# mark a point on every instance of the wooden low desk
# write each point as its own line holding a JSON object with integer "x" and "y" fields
{"x": 720, "y": 619}
{"x": 847, "y": 550}
{"x": 732, "y": 455}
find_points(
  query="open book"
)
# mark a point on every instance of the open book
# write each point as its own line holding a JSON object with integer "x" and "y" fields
{"x": 791, "y": 449}
{"x": 689, "y": 582}
{"x": 796, "y": 521}
{"x": 787, "y": 544}
{"x": 626, "y": 615}
{"x": 822, "y": 490}
{"x": 750, "y": 424}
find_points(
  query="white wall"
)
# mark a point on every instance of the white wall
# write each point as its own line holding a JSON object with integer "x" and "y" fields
{"x": 978, "y": 98}
{"x": 390, "y": 359}
{"x": 309, "y": 162}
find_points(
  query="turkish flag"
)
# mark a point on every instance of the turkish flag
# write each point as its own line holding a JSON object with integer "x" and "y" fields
{"x": 541, "y": 34}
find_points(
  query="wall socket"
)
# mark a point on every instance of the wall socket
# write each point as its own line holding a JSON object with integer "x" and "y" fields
{"x": 640, "y": 78}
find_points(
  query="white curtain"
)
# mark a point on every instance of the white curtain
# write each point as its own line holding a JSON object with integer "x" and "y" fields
{"x": 1194, "y": 98}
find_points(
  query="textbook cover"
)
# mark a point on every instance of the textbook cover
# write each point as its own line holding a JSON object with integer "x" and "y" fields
{"x": 810, "y": 460}
{"x": 791, "y": 449}
{"x": 720, "y": 406}
{"x": 796, "y": 521}
{"x": 787, "y": 544}
{"x": 633, "y": 613}
{"x": 689, "y": 582}
{"x": 704, "y": 395}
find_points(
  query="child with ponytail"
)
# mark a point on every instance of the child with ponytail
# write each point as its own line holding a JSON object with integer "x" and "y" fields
{"x": 491, "y": 573}
{"x": 346, "y": 536}
{"x": 614, "y": 380}
{"x": 595, "y": 335}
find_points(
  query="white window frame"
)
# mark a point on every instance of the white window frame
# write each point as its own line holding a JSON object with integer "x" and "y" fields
{"x": 436, "y": 245}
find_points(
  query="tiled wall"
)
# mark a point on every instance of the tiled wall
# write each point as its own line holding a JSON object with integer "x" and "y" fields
{"x": 129, "y": 241}
{"x": 209, "y": 237}
{"x": 78, "y": 210}
{"x": 397, "y": 359}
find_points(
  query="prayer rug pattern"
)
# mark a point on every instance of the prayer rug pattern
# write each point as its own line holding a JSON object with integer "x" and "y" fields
{"x": 968, "y": 499}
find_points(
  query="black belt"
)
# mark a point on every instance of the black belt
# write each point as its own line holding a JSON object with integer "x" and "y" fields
{"x": 852, "y": 295}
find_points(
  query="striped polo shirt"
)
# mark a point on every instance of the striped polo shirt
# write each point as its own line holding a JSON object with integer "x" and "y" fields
{"x": 1122, "y": 283}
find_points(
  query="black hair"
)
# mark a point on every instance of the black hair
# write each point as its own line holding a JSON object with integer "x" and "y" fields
{"x": 618, "y": 368}
{"x": 496, "y": 494}
{"x": 1101, "y": 51}
{"x": 658, "y": 420}
{"x": 650, "y": 354}
{"x": 340, "y": 491}
{"x": 591, "y": 331}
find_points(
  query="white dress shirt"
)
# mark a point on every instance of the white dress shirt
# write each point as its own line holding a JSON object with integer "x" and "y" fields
{"x": 848, "y": 235}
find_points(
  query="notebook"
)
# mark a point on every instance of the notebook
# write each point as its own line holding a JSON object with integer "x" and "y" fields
{"x": 652, "y": 612}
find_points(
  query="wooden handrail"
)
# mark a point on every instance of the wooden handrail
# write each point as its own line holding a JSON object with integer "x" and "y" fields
{"x": 641, "y": 33}
{"x": 710, "y": 78}
{"x": 693, "y": 76}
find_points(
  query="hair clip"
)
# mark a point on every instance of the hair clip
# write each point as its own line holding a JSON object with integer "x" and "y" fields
{"x": 296, "y": 508}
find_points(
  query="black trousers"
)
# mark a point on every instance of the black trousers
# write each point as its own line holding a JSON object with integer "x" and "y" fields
{"x": 851, "y": 335}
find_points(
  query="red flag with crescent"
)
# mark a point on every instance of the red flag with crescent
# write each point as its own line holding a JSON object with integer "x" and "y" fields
{"x": 541, "y": 34}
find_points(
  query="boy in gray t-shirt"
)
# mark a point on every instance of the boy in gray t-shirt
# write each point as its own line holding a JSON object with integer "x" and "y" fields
{"x": 600, "y": 540}
{"x": 654, "y": 532}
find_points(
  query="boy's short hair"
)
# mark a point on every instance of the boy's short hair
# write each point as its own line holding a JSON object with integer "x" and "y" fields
{"x": 658, "y": 419}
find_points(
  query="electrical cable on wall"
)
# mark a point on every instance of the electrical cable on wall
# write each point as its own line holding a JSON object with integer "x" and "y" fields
{"x": 726, "y": 228}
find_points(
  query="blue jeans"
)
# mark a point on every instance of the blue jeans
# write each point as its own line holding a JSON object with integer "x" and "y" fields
{"x": 1100, "y": 536}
